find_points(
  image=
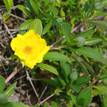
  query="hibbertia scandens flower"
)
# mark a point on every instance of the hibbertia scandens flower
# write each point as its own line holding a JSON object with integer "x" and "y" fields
{"x": 30, "y": 48}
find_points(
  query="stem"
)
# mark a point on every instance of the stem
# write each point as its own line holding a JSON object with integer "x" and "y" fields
{"x": 17, "y": 17}
{"x": 12, "y": 75}
{"x": 43, "y": 92}
{"x": 28, "y": 77}
{"x": 60, "y": 39}
{"x": 46, "y": 99}
{"x": 8, "y": 31}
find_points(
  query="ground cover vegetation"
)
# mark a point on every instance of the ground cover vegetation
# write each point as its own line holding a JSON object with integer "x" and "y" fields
{"x": 53, "y": 53}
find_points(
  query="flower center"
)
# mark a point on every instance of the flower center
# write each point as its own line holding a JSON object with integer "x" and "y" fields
{"x": 27, "y": 50}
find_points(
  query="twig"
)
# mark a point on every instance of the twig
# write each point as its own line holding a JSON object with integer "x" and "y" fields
{"x": 28, "y": 78}
{"x": 36, "y": 79}
{"x": 17, "y": 17}
{"x": 43, "y": 92}
{"x": 12, "y": 75}
{"x": 60, "y": 39}
{"x": 57, "y": 48}
{"x": 14, "y": 30}
{"x": 28, "y": 99}
{"x": 8, "y": 31}
{"x": 75, "y": 28}
{"x": 21, "y": 77}
{"x": 46, "y": 99}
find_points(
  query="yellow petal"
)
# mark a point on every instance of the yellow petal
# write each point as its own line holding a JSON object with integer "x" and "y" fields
{"x": 30, "y": 48}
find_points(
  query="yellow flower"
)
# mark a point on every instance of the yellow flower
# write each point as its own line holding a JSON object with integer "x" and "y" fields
{"x": 30, "y": 48}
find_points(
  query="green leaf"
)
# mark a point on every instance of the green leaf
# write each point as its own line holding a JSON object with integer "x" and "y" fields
{"x": 93, "y": 41}
{"x": 74, "y": 75}
{"x": 48, "y": 68}
{"x": 14, "y": 104}
{"x": 54, "y": 104}
{"x": 70, "y": 104}
{"x": 3, "y": 99}
{"x": 65, "y": 70}
{"x": 45, "y": 104}
{"x": 10, "y": 90}
{"x": 100, "y": 24}
{"x": 6, "y": 16}
{"x": 53, "y": 82}
{"x": 100, "y": 90}
{"x": 56, "y": 56}
{"x": 105, "y": 101}
{"x": 36, "y": 25}
{"x": 57, "y": 91}
{"x": 62, "y": 13}
{"x": 66, "y": 31}
{"x": 81, "y": 81}
{"x": 91, "y": 53}
{"x": 2, "y": 83}
{"x": 85, "y": 97}
{"x": 62, "y": 82}
{"x": 53, "y": 11}
{"x": 87, "y": 34}
{"x": 23, "y": 9}
{"x": 35, "y": 6}
{"x": 47, "y": 27}
{"x": 8, "y": 4}
{"x": 26, "y": 25}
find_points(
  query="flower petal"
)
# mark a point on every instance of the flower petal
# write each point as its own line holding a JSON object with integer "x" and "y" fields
{"x": 30, "y": 48}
